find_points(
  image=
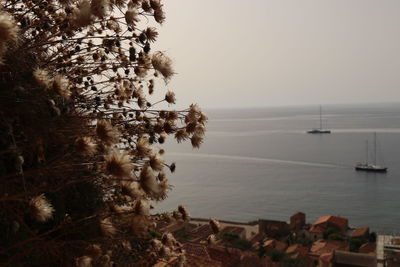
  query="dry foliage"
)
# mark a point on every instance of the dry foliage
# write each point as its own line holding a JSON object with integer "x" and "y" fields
{"x": 79, "y": 130}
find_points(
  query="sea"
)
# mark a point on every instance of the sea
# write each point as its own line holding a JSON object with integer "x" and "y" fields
{"x": 259, "y": 163}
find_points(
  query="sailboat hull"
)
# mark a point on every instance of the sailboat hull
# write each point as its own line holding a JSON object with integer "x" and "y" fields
{"x": 319, "y": 131}
{"x": 370, "y": 168}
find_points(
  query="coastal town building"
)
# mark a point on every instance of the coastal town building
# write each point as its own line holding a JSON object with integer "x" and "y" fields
{"x": 388, "y": 251}
{"x": 361, "y": 232}
{"x": 321, "y": 247}
{"x": 297, "y": 221}
{"x": 339, "y": 223}
{"x": 270, "y": 243}
{"x": 236, "y": 230}
{"x": 368, "y": 248}
{"x": 273, "y": 228}
{"x": 351, "y": 259}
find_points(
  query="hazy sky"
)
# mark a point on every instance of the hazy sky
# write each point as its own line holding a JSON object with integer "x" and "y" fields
{"x": 235, "y": 53}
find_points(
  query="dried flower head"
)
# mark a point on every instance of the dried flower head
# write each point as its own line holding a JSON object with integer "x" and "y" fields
{"x": 107, "y": 227}
{"x": 42, "y": 78}
{"x": 162, "y": 64}
{"x": 106, "y": 132}
{"x": 82, "y": 16}
{"x": 211, "y": 240}
{"x": 8, "y": 28}
{"x": 151, "y": 34}
{"x": 148, "y": 181}
{"x": 163, "y": 188}
{"x": 141, "y": 207}
{"x": 176, "y": 215}
{"x": 215, "y": 226}
{"x": 165, "y": 252}
{"x": 202, "y": 118}
{"x": 199, "y": 130}
{"x": 94, "y": 251}
{"x": 119, "y": 164}
{"x": 170, "y": 97}
{"x": 61, "y": 86}
{"x": 140, "y": 225}
{"x": 185, "y": 214}
{"x": 194, "y": 112}
{"x": 196, "y": 141}
{"x": 142, "y": 147}
{"x": 100, "y": 8}
{"x": 181, "y": 135}
{"x": 168, "y": 240}
{"x": 156, "y": 244}
{"x": 85, "y": 146}
{"x": 131, "y": 16}
{"x": 172, "y": 167}
{"x": 84, "y": 261}
{"x": 156, "y": 162}
{"x": 41, "y": 209}
{"x": 132, "y": 189}
{"x": 155, "y": 4}
{"x": 159, "y": 15}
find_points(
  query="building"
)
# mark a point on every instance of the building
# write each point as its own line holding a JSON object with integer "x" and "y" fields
{"x": 316, "y": 232}
{"x": 273, "y": 229}
{"x": 351, "y": 259}
{"x": 239, "y": 231}
{"x": 368, "y": 248}
{"x": 388, "y": 251}
{"x": 321, "y": 247}
{"x": 335, "y": 222}
{"x": 361, "y": 232}
{"x": 200, "y": 233}
{"x": 297, "y": 221}
{"x": 227, "y": 256}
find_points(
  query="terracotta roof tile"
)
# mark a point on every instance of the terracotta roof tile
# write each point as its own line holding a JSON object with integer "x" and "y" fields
{"x": 317, "y": 229}
{"x": 227, "y": 256}
{"x": 335, "y": 220}
{"x": 195, "y": 261}
{"x": 326, "y": 257}
{"x": 200, "y": 233}
{"x": 360, "y": 232}
{"x": 196, "y": 249}
{"x": 297, "y": 249}
{"x": 327, "y": 246}
{"x": 368, "y": 248}
{"x": 280, "y": 245}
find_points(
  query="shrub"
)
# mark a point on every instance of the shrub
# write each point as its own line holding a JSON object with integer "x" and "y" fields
{"x": 81, "y": 125}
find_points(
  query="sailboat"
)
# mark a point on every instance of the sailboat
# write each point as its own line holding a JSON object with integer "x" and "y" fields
{"x": 319, "y": 130}
{"x": 368, "y": 167}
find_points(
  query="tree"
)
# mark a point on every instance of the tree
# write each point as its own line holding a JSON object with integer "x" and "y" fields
{"x": 80, "y": 129}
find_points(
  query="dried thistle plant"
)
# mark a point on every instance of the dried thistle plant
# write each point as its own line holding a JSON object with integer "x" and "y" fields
{"x": 81, "y": 123}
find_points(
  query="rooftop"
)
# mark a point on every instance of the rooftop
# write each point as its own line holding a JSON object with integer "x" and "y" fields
{"x": 360, "y": 232}
{"x": 353, "y": 259}
{"x": 196, "y": 249}
{"x": 335, "y": 220}
{"x": 327, "y": 246}
{"x": 234, "y": 230}
{"x": 317, "y": 229}
{"x": 200, "y": 233}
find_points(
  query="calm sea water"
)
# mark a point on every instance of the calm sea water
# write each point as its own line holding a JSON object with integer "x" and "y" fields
{"x": 260, "y": 163}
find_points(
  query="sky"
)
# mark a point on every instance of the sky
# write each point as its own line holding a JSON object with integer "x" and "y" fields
{"x": 261, "y": 53}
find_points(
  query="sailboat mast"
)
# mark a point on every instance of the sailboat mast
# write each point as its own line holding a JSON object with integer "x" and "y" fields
{"x": 320, "y": 117}
{"x": 366, "y": 163}
{"x": 374, "y": 148}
